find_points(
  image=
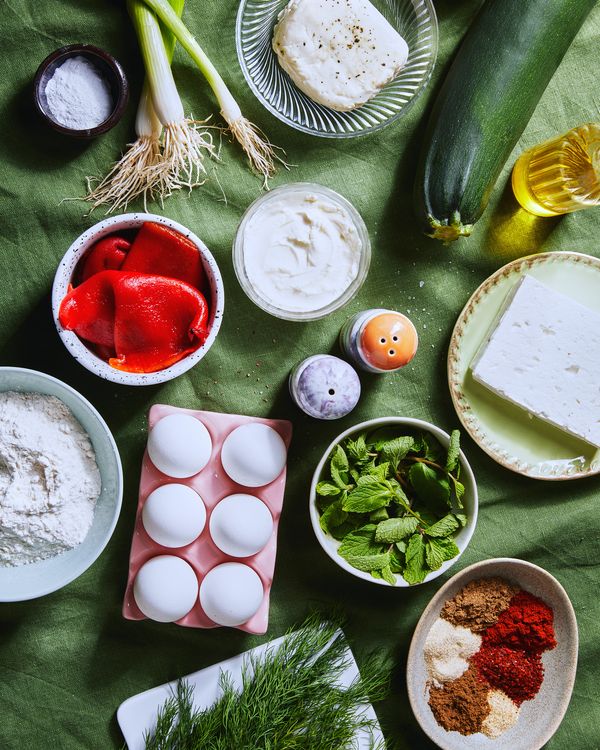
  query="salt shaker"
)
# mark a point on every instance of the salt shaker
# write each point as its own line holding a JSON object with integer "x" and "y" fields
{"x": 324, "y": 387}
{"x": 379, "y": 340}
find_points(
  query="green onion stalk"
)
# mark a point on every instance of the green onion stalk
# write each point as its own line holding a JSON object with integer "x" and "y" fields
{"x": 169, "y": 148}
{"x": 261, "y": 153}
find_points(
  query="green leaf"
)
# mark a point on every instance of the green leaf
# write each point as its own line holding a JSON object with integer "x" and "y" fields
{"x": 415, "y": 570}
{"x": 397, "y": 559}
{"x": 351, "y": 524}
{"x": 369, "y": 494}
{"x": 380, "y": 471}
{"x": 357, "y": 449}
{"x": 395, "y": 529}
{"x": 430, "y": 487}
{"x": 326, "y": 488}
{"x": 395, "y": 450}
{"x": 434, "y": 555}
{"x": 361, "y": 542}
{"x": 399, "y": 495}
{"x": 378, "y": 515}
{"x": 355, "y": 475}
{"x": 339, "y": 467}
{"x": 461, "y": 518}
{"x": 432, "y": 449}
{"x": 453, "y": 451}
{"x": 334, "y": 516}
{"x": 444, "y": 527}
{"x": 459, "y": 491}
{"x": 388, "y": 575}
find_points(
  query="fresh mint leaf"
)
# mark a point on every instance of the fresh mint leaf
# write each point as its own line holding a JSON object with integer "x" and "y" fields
{"x": 352, "y": 523}
{"x": 395, "y": 529}
{"x": 444, "y": 527}
{"x": 461, "y": 518}
{"x": 380, "y": 471}
{"x": 434, "y": 555}
{"x": 432, "y": 449}
{"x": 429, "y": 485}
{"x": 380, "y": 436}
{"x": 396, "y": 560}
{"x": 333, "y": 516}
{"x": 361, "y": 542}
{"x": 379, "y": 515}
{"x": 367, "y": 563}
{"x": 415, "y": 570}
{"x": 459, "y": 491}
{"x": 357, "y": 449}
{"x": 401, "y": 546}
{"x": 388, "y": 575}
{"x": 354, "y": 475}
{"x": 369, "y": 494}
{"x": 453, "y": 451}
{"x": 446, "y": 547}
{"x": 326, "y": 488}
{"x": 339, "y": 467}
{"x": 395, "y": 450}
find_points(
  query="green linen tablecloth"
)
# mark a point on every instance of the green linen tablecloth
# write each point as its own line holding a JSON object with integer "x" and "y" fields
{"x": 69, "y": 659}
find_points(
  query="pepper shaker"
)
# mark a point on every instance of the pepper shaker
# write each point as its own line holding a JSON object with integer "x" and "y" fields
{"x": 379, "y": 340}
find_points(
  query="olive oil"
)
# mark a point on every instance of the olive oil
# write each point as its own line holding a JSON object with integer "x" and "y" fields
{"x": 560, "y": 175}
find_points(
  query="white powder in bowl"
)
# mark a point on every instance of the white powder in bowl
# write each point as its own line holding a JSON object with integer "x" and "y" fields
{"x": 78, "y": 96}
{"x": 49, "y": 479}
{"x": 447, "y": 650}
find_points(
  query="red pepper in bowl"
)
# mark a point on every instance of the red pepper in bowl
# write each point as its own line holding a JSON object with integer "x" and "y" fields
{"x": 107, "y": 254}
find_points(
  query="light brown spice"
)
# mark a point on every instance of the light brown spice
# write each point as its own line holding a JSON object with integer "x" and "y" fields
{"x": 479, "y": 604}
{"x": 461, "y": 705}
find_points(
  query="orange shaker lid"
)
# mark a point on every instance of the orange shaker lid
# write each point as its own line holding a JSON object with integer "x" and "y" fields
{"x": 389, "y": 341}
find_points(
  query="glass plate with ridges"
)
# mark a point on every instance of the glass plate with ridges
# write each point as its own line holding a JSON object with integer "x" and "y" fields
{"x": 415, "y": 20}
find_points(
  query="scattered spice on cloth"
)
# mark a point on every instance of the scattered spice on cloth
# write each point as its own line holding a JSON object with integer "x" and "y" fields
{"x": 479, "y": 604}
{"x": 461, "y": 705}
{"x": 447, "y": 650}
{"x": 503, "y": 715}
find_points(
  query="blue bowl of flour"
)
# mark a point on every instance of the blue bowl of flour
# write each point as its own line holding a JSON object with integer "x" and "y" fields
{"x": 35, "y": 579}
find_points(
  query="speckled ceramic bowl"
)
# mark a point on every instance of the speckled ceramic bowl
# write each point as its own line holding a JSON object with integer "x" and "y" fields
{"x": 470, "y": 499}
{"x": 64, "y": 276}
{"x": 539, "y": 718}
{"x": 40, "y": 578}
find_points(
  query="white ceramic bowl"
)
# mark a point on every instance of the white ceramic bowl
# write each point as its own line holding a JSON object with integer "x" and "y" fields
{"x": 37, "y": 579}
{"x": 539, "y": 718}
{"x": 78, "y": 348}
{"x": 470, "y": 499}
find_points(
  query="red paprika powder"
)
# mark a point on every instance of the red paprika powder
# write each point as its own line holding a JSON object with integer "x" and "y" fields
{"x": 527, "y": 624}
{"x": 515, "y": 672}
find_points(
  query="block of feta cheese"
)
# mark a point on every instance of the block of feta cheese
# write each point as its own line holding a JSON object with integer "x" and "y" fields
{"x": 543, "y": 354}
{"x": 338, "y": 52}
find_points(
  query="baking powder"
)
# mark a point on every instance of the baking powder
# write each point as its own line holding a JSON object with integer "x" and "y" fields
{"x": 49, "y": 479}
{"x": 78, "y": 96}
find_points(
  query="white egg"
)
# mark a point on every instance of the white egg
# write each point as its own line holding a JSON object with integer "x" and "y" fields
{"x": 241, "y": 525}
{"x": 165, "y": 588}
{"x": 231, "y": 593}
{"x": 253, "y": 455}
{"x": 174, "y": 515}
{"x": 179, "y": 445}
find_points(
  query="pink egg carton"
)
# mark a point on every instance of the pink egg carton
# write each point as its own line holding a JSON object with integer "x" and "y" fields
{"x": 212, "y": 484}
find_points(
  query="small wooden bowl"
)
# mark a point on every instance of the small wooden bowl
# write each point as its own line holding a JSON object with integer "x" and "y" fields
{"x": 106, "y": 64}
{"x": 540, "y": 717}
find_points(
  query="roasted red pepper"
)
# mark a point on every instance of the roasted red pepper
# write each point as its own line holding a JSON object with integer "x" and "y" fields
{"x": 107, "y": 254}
{"x": 153, "y": 321}
{"x": 161, "y": 250}
{"x": 89, "y": 309}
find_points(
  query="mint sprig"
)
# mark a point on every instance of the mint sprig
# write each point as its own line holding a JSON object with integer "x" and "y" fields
{"x": 394, "y": 502}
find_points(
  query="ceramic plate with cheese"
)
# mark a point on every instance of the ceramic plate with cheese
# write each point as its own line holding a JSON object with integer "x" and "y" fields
{"x": 524, "y": 366}
{"x": 337, "y": 68}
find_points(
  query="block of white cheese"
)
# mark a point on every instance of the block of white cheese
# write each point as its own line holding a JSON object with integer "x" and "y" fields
{"x": 338, "y": 52}
{"x": 544, "y": 355}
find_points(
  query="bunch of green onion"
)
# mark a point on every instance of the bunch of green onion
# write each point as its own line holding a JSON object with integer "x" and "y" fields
{"x": 169, "y": 151}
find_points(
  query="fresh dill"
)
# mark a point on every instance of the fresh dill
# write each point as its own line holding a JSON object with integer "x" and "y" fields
{"x": 291, "y": 699}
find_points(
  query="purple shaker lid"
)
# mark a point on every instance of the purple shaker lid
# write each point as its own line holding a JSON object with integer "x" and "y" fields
{"x": 328, "y": 388}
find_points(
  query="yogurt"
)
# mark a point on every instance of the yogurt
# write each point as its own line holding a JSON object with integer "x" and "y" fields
{"x": 302, "y": 249}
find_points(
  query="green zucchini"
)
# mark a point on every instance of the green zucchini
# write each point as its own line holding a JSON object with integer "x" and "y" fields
{"x": 505, "y": 62}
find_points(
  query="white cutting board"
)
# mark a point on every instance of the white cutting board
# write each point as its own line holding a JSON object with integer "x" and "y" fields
{"x": 137, "y": 715}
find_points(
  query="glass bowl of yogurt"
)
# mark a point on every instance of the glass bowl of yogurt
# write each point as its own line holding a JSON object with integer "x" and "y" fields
{"x": 301, "y": 252}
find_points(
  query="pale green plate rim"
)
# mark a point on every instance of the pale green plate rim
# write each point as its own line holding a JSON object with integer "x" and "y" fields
{"x": 509, "y": 453}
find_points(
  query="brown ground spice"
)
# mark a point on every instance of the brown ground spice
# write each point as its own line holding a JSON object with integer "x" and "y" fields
{"x": 461, "y": 705}
{"x": 479, "y": 604}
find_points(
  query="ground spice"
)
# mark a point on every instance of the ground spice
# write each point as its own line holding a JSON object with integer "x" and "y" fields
{"x": 503, "y": 715}
{"x": 447, "y": 650}
{"x": 528, "y": 625}
{"x": 461, "y": 705}
{"x": 479, "y": 604}
{"x": 515, "y": 672}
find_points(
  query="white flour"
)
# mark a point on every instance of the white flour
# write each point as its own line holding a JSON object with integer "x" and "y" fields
{"x": 78, "y": 96}
{"x": 49, "y": 479}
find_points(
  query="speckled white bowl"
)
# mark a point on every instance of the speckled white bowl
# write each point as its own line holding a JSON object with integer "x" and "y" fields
{"x": 40, "y": 578}
{"x": 77, "y": 347}
{"x": 470, "y": 499}
{"x": 539, "y": 718}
